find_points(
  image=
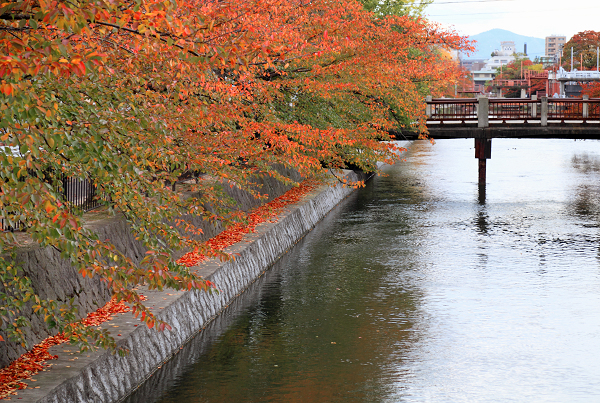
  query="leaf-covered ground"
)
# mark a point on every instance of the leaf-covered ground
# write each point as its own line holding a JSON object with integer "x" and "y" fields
{"x": 34, "y": 361}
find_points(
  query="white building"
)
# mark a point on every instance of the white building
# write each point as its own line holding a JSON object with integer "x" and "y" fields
{"x": 482, "y": 76}
{"x": 502, "y": 57}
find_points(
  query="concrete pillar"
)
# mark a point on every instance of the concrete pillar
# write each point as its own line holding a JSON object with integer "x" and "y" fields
{"x": 586, "y": 106}
{"x": 428, "y": 111}
{"x": 562, "y": 88}
{"x": 523, "y": 93}
{"x": 534, "y": 106}
{"x": 544, "y": 111}
{"x": 483, "y": 112}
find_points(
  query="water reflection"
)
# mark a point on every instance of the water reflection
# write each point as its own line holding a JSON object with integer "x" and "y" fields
{"x": 482, "y": 222}
{"x": 586, "y": 162}
{"x": 424, "y": 287}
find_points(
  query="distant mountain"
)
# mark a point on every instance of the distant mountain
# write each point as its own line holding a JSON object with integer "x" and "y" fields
{"x": 489, "y": 41}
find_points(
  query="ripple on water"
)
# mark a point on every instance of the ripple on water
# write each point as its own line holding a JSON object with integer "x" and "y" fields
{"x": 419, "y": 290}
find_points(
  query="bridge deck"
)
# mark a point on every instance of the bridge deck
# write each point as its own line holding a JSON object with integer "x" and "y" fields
{"x": 484, "y": 119}
{"x": 516, "y": 129}
{"x": 487, "y": 118}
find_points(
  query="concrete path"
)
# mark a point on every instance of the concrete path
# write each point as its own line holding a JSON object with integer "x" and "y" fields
{"x": 104, "y": 377}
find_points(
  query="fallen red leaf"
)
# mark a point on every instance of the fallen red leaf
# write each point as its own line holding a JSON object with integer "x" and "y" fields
{"x": 30, "y": 363}
{"x": 266, "y": 212}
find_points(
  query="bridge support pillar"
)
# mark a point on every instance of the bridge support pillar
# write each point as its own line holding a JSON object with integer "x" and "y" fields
{"x": 544, "y": 112}
{"x": 482, "y": 172}
{"x": 483, "y": 152}
{"x": 585, "y": 107}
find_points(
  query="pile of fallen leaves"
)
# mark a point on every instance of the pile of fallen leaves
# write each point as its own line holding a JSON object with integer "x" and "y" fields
{"x": 236, "y": 233}
{"x": 33, "y": 361}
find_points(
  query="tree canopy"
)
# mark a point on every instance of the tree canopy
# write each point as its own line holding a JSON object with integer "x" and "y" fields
{"x": 133, "y": 95}
{"x": 584, "y": 46}
{"x": 396, "y": 7}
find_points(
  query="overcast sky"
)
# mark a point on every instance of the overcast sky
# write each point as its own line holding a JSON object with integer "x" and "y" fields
{"x": 538, "y": 18}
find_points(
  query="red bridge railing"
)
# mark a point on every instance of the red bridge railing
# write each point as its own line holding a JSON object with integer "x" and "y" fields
{"x": 459, "y": 109}
{"x": 534, "y": 111}
{"x": 513, "y": 109}
{"x": 573, "y": 109}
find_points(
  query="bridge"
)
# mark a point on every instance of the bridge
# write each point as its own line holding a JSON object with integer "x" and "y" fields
{"x": 486, "y": 118}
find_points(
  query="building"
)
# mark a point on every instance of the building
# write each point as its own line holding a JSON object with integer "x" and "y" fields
{"x": 482, "y": 76}
{"x": 554, "y": 45}
{"x": 472, "y": 64}
{"x": 502, "y": 57}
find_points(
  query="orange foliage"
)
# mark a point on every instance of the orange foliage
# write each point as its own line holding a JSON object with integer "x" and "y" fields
{"x": 591, "y": 89}
{"x": 134, "y": 95}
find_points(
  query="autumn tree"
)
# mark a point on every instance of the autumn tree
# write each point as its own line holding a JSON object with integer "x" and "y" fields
{"x": 584, "y": 46}
{"x": 396, "y": 7}
{"x": 463, "y": 86}
{"x": 133, "y": 95}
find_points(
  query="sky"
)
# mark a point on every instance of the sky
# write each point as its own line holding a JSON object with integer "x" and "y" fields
{"x": 537, "y": 18}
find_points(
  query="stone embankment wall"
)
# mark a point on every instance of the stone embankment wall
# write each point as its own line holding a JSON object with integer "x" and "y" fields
{"x": 106, "y": 377}
{"x": 54, "y": 278}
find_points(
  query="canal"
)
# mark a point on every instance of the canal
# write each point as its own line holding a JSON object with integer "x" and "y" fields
{"x": 421, "y": 288}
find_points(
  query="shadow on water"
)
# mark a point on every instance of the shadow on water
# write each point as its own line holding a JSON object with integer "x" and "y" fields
{"x": 587, "y": 192}
{"x": 319, "y": 324}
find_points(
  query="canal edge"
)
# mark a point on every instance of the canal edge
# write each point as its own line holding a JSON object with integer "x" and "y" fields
{"x": 105, "y": 377}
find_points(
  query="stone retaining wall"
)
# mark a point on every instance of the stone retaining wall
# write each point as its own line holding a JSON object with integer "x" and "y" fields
{"x": 54, "y": 278}
{"x": 106, "y": 377}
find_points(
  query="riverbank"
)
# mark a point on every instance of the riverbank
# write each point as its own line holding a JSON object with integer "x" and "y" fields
{"x": 105, "y": 377}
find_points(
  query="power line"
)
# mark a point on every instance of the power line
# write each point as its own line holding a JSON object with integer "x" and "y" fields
{"x": 507, "y": 12}
{"x": 452, "y": 15}
{"x": 463, "y": 2}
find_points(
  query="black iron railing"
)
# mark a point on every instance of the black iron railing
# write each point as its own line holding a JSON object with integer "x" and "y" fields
{"x": 80, "y": 194}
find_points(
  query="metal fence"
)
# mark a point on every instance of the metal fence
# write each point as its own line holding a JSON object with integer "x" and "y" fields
{"x": 573, "y": 109}
{"x": 459, "y": 109}
{"x": 80, "y": 194}
{"x": 514, "y": 109}
{"x": 507, "y": 109}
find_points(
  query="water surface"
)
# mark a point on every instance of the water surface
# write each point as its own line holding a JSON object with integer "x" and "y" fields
{"x": 422, "y": 288}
